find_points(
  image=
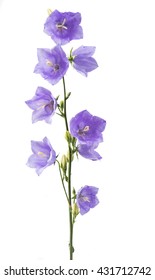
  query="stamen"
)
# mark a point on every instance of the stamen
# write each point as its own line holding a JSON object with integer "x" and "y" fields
{"x": 49, "y": 63}
{"x": 82, "y": 131}
{"x": 85, "y": 198}
{"x": 61, "y": 25}
{"x": 86, "y": 128}
{"x": 41, "y": 154}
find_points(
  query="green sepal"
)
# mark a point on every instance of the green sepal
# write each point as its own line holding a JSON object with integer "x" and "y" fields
{"x": 68, "y": 95}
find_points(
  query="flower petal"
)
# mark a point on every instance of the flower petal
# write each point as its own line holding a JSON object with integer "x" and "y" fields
{"x": 88, "y": 152}
{"x": 84, "y": 64}
{"x": 84, "y": 51}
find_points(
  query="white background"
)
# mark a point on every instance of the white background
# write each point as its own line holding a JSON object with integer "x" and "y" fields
{"x": 33, "y": 211}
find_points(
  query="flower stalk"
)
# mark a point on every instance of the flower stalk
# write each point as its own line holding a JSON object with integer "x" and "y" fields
{"x": 62, "y": 181}
{"x": 71, "y": 249}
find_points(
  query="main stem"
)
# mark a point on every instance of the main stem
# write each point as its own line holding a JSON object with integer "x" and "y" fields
{"x": 71, "y": 249}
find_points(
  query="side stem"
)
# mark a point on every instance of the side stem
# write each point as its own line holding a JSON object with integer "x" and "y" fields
{"x": 62, "y": 181}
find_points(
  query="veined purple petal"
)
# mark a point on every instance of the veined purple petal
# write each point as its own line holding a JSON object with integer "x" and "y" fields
{"x": 41, "y": 115}
{"x": 34, "y": 161}
{"x": 84, "y": 64}
{"x": 63, "y": 27}
{"x": 88, "y": 151}
{"x": 41, "y": 91}
{"x": 84, "y": 51}
{"x": 86, "y": 198}
{"x": 37, "y": 102}
{"x": 40, "y": 147}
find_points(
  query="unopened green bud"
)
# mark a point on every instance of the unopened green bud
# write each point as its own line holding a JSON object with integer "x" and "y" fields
{"x": 75, "y": 210}
{"x": 49, "y": 11}
{"x": 68, "y": 136}
{"x": 64, "y": 163}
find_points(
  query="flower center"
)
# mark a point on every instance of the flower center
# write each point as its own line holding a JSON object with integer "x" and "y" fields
{"x": 41, "y": 154}
{"x": 61, "y": 26}
{"x": 56, "y": 67}
{"x": 84, "y": 198}
{"x": 49, "y": 107}
{"x": 82, "y": 131}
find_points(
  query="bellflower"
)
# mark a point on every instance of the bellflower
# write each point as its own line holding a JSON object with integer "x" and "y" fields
{"x": 43, "y": 155}
{"x": 88, "y": 151}
{"x": 87, "y": 128}
{"x": 82, "y": 60}
{"x": 52, "y": 64}
{"x": 63, "y": 27}
{"x": 86, "y": 198}
{"x": 43, "y": 104}
{"x": 84, "y": 132}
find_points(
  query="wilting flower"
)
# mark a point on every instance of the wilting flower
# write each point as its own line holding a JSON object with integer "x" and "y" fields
{"x": 52, "y": 65}
{"x": 63, "y": 27}
{"x": 86, "y": 198}
{"x": 82, "y": 60}
{"x": 43, "y": 104}
{"x": 87, "y": 128}
{"x": 88, "y": 151}
{"x": 43, "y": 155}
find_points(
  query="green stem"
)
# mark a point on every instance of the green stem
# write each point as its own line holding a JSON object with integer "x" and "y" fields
{"x": 65, "y": 108}
{"x": 69, "y": 179}
{"x": 62, "y": 181}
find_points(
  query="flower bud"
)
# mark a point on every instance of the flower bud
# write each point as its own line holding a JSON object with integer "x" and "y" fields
{"x": 75, "y": 210}
{"x": 72, "y": 156}
{"x": 74, "y": 192}
{"x": 64, "y": 163}
{"x": 49, "y": 11}
{"x": 61, "y": 105}
{"x": 68, "y": 136}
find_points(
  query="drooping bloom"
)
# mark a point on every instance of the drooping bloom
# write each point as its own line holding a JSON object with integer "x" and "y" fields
{"x": 87, "y": 128}
{"x": 43, "y": 155}
{"x": 52, "y": 64}
{"x": 86, "y": 198}
{"x": 44, "y": 105}
{"x": 63, "y": 27}
{"x": 82, "y": 60}
{"x": 88, "y": 151}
